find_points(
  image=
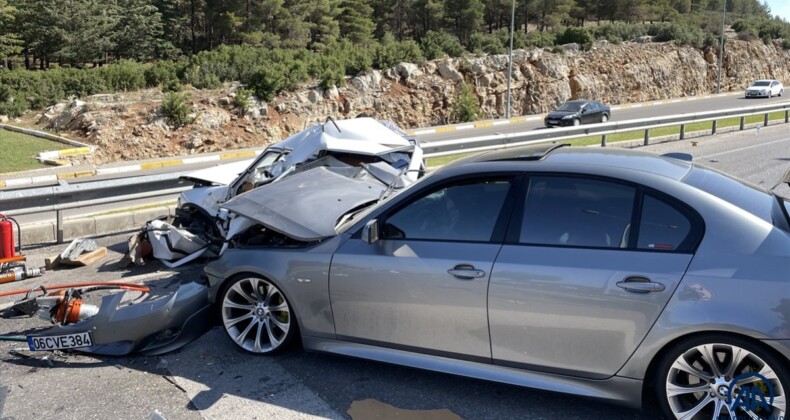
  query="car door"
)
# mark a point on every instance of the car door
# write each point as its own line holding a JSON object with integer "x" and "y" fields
{"x": 422, "y": 286}
{"x": 590, "y": 113}
{"x": 587, "y": 269}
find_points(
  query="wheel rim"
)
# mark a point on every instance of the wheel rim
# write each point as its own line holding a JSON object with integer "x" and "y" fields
{"x": 699, "y": 382}
{"x": 576, "y": 122}
{"x": 604, "y": 119}
{"x": 256, "y": 315}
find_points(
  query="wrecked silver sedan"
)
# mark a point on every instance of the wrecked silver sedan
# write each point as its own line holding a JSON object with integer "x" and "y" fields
{"x": 201, "y": 228}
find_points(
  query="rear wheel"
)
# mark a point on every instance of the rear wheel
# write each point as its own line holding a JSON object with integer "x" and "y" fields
{"x": 713, "y": 376}
{"x": 256, "y": 315}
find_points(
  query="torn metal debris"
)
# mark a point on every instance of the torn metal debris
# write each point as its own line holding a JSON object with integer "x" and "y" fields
{"x": 147, "y": 324}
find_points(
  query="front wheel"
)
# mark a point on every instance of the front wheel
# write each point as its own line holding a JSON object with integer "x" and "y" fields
{"x": 256, "y": 315}
{"x": 781, "y": 91}
{"x": 604, "y": 118}
{"x": 577, "y": 122}
{"x": 717, "y": 376}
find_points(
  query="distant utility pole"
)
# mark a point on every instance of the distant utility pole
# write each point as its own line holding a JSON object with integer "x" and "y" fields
{"x": 721, "y": 47}
{"x": 510, "y": 56}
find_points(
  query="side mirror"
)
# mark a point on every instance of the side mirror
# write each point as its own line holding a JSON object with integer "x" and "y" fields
{"x": 370, "y": 233}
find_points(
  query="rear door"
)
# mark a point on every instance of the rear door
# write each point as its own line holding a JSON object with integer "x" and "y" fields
{"x": 587, "y": 269}
{"x": 423, "y": 285}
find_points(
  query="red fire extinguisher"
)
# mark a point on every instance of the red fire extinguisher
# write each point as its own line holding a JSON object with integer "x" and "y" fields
{"x": 7, "y": 237}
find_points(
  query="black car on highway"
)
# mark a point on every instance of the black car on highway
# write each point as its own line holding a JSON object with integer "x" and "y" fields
{"x": 578, "y": 112}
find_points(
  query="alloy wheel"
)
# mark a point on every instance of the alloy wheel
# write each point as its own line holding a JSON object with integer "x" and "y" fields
{"x": 256, "y": 315}
{"x": 708, "y": 380}
{"x": 576, "y": 122}
{"x": 604, "y": 118}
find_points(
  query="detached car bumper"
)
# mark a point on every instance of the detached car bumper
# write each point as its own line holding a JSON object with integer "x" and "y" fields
{"x": 156, "y": 325}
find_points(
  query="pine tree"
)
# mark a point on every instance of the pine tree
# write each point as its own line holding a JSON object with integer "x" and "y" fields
{"x": 464, "y": 16}
{"x": 355, "y": 19}
{"x": 138, "y": 33}
{"x": 10, "y": 43}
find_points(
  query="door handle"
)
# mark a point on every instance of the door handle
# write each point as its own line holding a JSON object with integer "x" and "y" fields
{"x": 466, "y": 272}
{"x": 637, "y": 284}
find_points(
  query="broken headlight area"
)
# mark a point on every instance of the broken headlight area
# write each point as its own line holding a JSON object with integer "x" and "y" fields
{"x": 260, "y": 236}
{"x": 128, "y": 320}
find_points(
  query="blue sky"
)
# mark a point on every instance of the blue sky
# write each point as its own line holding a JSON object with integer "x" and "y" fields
{"x": 780, "y": 7}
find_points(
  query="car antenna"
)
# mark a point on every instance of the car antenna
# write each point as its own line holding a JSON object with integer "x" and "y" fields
{"x": 328, "y": 119}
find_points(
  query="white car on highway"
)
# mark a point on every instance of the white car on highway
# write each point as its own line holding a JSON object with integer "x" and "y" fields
{"x": 765, "y": 89}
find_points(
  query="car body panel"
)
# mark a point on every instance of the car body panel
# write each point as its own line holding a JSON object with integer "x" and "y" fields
{"x": 219, "y": 174}
{"x": 560, "y": 310}
{"x": 412, "y": 301}
{"x": 301, "y": 273}
{"x": 618, "y": 390}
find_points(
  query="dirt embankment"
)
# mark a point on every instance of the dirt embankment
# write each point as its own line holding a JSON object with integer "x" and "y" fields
{"x": 129, "y": 126}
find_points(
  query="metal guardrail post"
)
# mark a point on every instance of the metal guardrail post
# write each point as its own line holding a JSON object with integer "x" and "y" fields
{"x": 765, "y": 123}
{"x": 603, "y": 140}
{"x": 713, "y": 127}
{"x": 743, "y": 123}
{"x": 682, "y": 131}
{"x": 647, "y": 137}
{"x": 787, "y": 117}
{"x": 59, "y": 225}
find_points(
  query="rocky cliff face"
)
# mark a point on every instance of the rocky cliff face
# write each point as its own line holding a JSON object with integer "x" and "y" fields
{"x": 417, "y": 95}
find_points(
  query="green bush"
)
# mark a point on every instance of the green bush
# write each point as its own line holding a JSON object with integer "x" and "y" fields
{"x": 164, "y": 72}
{"x": 267, "y": 81}
{"x": 678, "y": 32}
{"x": 573, "y": 34}
{"x": 537, "y": 39}
{"x": 438, "y": 44}
{"x": 124, "y": 76}
{"x": 176, "y": 108}
{"x": 482, "y": 43}
{"x": 465, "y": 108}
{"x": 243, "y": 100}
{"x": 11, "y": 104}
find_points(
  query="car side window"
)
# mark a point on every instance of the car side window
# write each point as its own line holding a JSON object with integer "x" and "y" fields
{"x": 466, "y": 211}
{"x": 663, "y": 227}
{"x": 570, "y": 211}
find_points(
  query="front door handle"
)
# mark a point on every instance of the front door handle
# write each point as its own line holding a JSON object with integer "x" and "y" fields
{"x": 637, "y": 284}
{"x": 466, "y": 272}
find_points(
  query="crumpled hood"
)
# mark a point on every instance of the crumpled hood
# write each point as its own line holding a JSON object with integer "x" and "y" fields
{"x": 307, "y": 205}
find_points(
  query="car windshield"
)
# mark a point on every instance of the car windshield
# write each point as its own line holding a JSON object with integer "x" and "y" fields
{"x": 762, "y": 83}
{"x": 739, "y": 193}
{"x": 570, "y": 106}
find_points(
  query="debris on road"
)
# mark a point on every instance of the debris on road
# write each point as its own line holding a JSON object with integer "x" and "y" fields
{"x": 118, "y": 325}
{"x": 79, "y": 253}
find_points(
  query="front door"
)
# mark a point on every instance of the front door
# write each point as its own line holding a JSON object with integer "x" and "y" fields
{"x": 422, "y": 286}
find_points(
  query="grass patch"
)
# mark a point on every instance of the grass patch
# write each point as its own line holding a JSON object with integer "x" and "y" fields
{"x": 18, "y": 151}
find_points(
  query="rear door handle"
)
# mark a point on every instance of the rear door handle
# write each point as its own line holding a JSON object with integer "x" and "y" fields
{"x": 637, "y": 284}
{"x": 466, "y": 272}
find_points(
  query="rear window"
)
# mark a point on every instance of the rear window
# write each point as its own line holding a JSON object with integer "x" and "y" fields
{"x": 737, "y": 192}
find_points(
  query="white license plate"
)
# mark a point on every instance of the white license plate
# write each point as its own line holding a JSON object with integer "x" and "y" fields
{"x": 60, "y": 342}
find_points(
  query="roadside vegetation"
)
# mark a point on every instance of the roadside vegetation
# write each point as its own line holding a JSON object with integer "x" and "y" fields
{"x": 18, "y": 151}
{"x": 55, "y": 50}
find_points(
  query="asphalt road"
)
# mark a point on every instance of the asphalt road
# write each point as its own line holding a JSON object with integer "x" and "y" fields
{"x": 210, "y": 378}
{"x": 680, "y": 106}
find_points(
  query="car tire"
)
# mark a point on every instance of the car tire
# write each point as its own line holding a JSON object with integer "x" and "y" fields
{"x": 257, "y": 316}
{"x": 577, "y": 122}
{"x": 604, "y": 118}
{"x": 698, "y": 387}
{"x": 781, "y": 91}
